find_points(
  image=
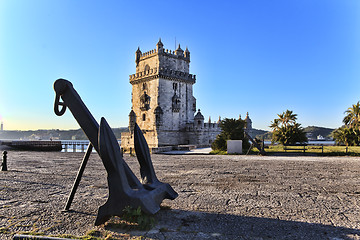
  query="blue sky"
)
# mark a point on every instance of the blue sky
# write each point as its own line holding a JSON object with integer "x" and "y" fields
{"x": 258, "y": 56}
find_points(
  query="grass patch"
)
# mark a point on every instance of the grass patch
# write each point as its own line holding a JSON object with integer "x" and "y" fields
{"x": 4, "y": 230}
{"x": 218, "y": 152}
{"x": 309, "y": 150}
{"x": 313, "y": 150}
{"x": 33, "y": 233}
{"x": 132, "y": 218}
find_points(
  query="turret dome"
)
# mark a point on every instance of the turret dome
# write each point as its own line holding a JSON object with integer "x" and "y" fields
{"x": 199, "y": 116}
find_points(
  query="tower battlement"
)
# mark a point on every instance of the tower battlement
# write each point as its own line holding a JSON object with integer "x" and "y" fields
{"x": 178, "y": 53}
{"x": 160, "y": 57}
{"x": 165, "y": 73}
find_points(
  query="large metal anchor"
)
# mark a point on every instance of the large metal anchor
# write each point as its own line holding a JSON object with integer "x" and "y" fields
{"x": 124, "y": 187}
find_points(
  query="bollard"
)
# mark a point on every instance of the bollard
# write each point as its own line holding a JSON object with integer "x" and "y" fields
{"x": 4, "y": 164}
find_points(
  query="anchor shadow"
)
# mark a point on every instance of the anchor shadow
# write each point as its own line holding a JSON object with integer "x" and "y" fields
{"x": 230, "y": 226}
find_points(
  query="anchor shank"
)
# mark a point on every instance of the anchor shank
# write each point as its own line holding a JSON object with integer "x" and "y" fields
{"x": 78, "y": 109}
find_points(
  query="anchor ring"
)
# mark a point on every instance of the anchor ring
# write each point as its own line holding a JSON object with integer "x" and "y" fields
{"x": 57, "y": 104}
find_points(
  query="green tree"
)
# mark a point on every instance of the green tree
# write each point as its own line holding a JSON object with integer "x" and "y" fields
{"x": 285, "y": 129}
{"x": 349, "y": 134}
{"x": 344, "y": 136}
{"x": 352, "y": 118}
{"x": 231, "y": 129}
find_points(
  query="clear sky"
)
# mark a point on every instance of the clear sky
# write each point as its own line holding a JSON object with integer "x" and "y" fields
{"x": 255, "y": 56}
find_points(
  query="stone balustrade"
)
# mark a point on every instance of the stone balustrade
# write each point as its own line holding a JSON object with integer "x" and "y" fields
{"x": 164, "y": 73}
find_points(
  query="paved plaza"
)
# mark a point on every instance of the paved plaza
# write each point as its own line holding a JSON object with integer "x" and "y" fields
{"x": 220, "y": 197}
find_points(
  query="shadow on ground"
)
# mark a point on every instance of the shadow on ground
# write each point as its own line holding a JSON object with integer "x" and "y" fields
{"x": 179, "y": 224}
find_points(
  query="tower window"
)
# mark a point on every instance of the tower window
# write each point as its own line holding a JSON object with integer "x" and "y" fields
{"x": 157, "y": 118}
{"x": 145, "y": 102}
{"x": 144, "y": 117}
{"x": 144, "y": 86}
{"x": 158, "y": 112}
{"x": 147, "y": 68}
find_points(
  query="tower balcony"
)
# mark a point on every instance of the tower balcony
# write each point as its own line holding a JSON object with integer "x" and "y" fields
{"x": 162, "y": 73}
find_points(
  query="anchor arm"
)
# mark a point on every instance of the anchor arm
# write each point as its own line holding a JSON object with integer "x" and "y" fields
{"x": 147, "y": 171}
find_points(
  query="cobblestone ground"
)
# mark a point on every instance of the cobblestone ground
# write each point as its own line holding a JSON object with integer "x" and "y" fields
{"x": 220, "y": 197}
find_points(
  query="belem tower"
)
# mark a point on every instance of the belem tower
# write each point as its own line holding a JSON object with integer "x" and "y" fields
{"x": 163, "y": 104}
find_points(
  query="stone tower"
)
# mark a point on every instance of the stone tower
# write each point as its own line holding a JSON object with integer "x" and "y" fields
{"x": 163, "y": 104}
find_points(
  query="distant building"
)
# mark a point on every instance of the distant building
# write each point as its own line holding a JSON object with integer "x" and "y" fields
{"x": 163, "y": 104}
{"x": 309, "y": 135}
{"x": 319, "y": 137}
{"x": 2, "y": 126}
{"x": 248, "y": 126}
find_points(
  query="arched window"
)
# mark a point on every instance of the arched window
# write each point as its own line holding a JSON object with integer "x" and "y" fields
{"x": 158, "y": 113}
{"x": 145, "y": 102}
{"x": 147, "y": 68}
{"x": 144, "y": 117}
{"x": 176, "y": 103}
{"x": 144, "y": 86}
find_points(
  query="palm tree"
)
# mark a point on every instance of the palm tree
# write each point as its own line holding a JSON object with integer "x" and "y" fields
{"x": 352, "y": 117}
{"x": 344, "y": 135}
{"x": 275, "y": 125}
{"x": 286, "y": 130}
{"x": 287, "y": 118}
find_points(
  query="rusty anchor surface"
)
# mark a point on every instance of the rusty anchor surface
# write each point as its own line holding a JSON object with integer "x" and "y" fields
{"x": 125, "y": 189}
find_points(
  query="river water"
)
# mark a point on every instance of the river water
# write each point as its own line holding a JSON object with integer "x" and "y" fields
{"x": 81, "y": 145}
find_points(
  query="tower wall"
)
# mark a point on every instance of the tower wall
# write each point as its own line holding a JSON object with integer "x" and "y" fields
{"x": 174, "y": 62}
{"x": 138, "y": 90}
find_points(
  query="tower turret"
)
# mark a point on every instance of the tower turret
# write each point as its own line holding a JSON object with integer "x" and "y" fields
{"x": 187, "y": 53}
{"x": 199, "y": 119}
{"x": 132, "y": 121}
{"x": 179, "y": 51}
{"x": 137, "y": 56}
{"x": 159, "y": 46}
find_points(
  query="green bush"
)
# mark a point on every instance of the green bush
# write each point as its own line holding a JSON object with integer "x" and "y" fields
{"x": 231, "y": 129}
